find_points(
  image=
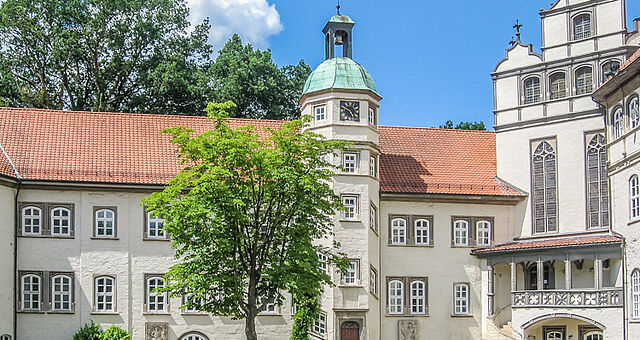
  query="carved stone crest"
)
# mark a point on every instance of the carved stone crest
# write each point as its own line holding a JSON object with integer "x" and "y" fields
{"x": 156, "y": 331}
{"x": 407, "y": 330}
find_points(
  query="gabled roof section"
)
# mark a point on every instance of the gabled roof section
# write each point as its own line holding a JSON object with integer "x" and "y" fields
{"x": 518, "y": 55}
{"x": 440, "y": 161}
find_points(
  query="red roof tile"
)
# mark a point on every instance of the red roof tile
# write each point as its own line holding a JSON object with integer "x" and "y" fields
{"x": 129, "y": 148}
{"x": 554, "y": 243}
{"x": 444, "y": 161}
{"x": 631, "y": 59}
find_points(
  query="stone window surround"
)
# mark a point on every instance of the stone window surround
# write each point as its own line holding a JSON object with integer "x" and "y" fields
{"x": 533, "y": 144}
{"x": 358, "y": 273}
{"x": 472, "y": 231}
{"x": 410, "y": 230}
{"x": 45, "y": 219}
{"x": 95, "y": 295}
{"x": 406, "y": 295}
{"x": 145, "y": 231}
{"x": 468, "y": 300}
{"x": 357, "y": 217}
{"x": 588, "y": 136}
{"x": 572, "y": 24}
{"x": 114, "y": 209}
{"x": 166, "y": 310}
{"x": 373, "y": 277}
{"x": 46, "y": 291}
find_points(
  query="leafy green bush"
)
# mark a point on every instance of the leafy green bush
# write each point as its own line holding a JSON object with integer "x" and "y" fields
{"x": 88, "y": 332}
{"x": 115, "y": 333}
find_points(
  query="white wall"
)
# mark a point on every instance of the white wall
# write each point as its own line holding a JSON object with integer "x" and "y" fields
{"x": 7, "y": 227}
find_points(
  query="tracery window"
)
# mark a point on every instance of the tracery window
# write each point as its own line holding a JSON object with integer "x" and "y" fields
{"x": 558, "y": 85}
{"x": 584, "y": 80}
{"x": 545, "y": 206}
{"x": 597, "y": 183}
{"x": 582, "y": 27}
{"x": 399, "y": 231}
{"x": 531, "y": 90}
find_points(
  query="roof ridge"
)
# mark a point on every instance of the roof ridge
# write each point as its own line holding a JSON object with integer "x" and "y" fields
{"x": 437, "y": 129}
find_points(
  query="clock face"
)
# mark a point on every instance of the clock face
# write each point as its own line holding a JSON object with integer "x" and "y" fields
{"x": 350, "y": 111}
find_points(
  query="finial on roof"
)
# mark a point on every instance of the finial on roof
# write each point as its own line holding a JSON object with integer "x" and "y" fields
{"x": 338, "y": 7}
{"x": 512, "y": 42}
{"x": 517, "y": 26}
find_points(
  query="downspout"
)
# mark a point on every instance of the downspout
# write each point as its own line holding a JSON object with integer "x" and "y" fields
{"x": 15, "y": 243}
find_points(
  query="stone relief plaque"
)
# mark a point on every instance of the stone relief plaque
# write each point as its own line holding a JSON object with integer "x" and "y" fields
{"x": 156, "y": 331}
{"x": 408, "y": 330}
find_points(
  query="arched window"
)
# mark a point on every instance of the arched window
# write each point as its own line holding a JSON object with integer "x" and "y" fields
{"x": 597, "y": 183}
{"x": 557, "y": 85}
{"x": 554, "y": 335}
{"x": 155, "y": 226}
{"x": 461, "y": 233}
{"x": 544, "y": 188}
{"x": 531, "y": 90}
{"x": 635, "y": 294}
{"x": 609, "y": 69}
{"x": 104, "y": 294}
{"x": 105, "y": 223}
{"x": 31, "y": 221}
{"x": 418, "y": 297}
{"x": 634, "y": 196}
{"x": 582, "y": 27}
{"x": 422, "y": 232}
{"x": 634, "y": 118}
{"x": 617, "y": 123}
{"x": 156, "y": 300}
{"x": 61, "y": 293}
{"x": 399, "y": 231}
{"x": 461, "y": 299}
{"x": 61, "y": 222}
{"x": 483, "y": 233}
{"x": 396, "y": 297}
{"x": 31, "y": 290}
{"x": 194, "y": 336}
{"x": 584, "y": 80}
{"x": 593, "y": 335}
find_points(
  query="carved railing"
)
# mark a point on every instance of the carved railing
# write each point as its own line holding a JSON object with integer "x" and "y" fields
{"x": 567, "y": 298}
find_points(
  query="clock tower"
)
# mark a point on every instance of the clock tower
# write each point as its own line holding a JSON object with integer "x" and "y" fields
{"x": 342, "y": 101}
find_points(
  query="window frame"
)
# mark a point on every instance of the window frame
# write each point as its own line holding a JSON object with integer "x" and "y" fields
{"x": 316, "y": 114}
{"x": 373, "y": 166}
{"x": 536, "y": 91}
{"x": 347, "y": 279}
{"x": 539, "y": 149}
{"x": 635, "y": 294}
{"x": 39, "y": 275}
{"x": 583, "y": 34}
{"x": 96, "y": 222}
{"x": 52, "y": 218}
{"x": 489, "y": 232}
{"x": 560, "y": 92}
{"x": 464, "y": 300}
{"x": 603, "y": 211}
{"x": 23, "y": 219}
{"x": 426, "y": 229}
{"x": 319, "y": 326}
{"x": 52, "y": 292}
{"x": 634, "y": 197}
{"x": 148, "y": 295}
{"x": 348, "y": 214}
{"x": 112, "y": 294}
{"x": 373, "y": 217}
{"x": 373, "y": 281}
{"x": 617, "y": 122}
{"x": 467, "y": 231}
{"x": 350, "y": 166}
{"x": 399, "y": 308}
{"x": 588, "y": 84}
{"x": 146, "y": 236}
{"x": 400, "y": 240}
{"x": 372, "y": 117}
{"x": 423, "y": 298}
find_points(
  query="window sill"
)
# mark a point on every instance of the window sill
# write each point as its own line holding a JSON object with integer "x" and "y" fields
{"x": 317, "y": 336}
{"x": 47, "y": 236}
{"x": 407, "y": 315}
{"x": 156, "y": 313}
{"x": 156, "y": 239}
{"x": 342, "y": 220}
{"x": 350, "y": 286}
{"x": 462, "y": 315}
{"x": 412, "y": 245}
{"x": 634, "y": 320}
{"x": 194, "y": 314}
{"x": 105, "y": 238}
{"x": 632, "y": 222}
{"x": 104, "y": 313}
{"x": 270, "y": 314}
{"x": 454, "y": 246}
{"x": 61, "y": 312}
{"x": 31, "y": 311}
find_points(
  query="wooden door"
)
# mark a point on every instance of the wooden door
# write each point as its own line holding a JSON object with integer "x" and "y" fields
{"x": 349, "y": 331}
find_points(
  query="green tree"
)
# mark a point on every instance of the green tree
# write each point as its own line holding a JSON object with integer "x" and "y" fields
{"x": 245, "y": 215}
{"x": 251, "y": 79}
{"x": 106, "y": 55}
{"x": 464, "y": 125}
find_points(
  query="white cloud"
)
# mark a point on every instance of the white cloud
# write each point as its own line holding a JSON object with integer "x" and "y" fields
{"x": 254, "y": 20}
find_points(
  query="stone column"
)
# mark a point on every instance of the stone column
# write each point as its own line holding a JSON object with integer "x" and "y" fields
{"x": 597, "y": 273}
{"x": 540, "y": 274}
{"x": 514, "y": 275}
{"x": 490, "y": 290}
{"x": 567, "y": 273}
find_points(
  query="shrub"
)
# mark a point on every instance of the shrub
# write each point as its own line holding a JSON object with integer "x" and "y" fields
{"x": 115, "y": 333}
{"x": 88, "y": 332}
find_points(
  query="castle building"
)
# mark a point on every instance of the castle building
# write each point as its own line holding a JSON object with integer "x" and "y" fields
{"x": 528, "y": 232}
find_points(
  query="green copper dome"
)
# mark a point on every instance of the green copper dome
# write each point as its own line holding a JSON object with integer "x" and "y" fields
{"x": 339, "y": 73}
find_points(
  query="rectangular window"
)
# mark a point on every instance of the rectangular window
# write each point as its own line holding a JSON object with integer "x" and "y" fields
{"x": 373, "y": 217}
{"x": 634, "y": 196}
{"x": 351, "y": 207}
{"x": 461, "y": 299}
{"x": 270, "y": 309}
{"x": 349, "y": 162}
{"x": 104, "y": 294}
{"x": 320, "y": 112}
{"x": 372, "y": 116}
{"x": 156, "y": 301}
{"x": 154, "y": 227}
{"x": 61, "y": 293}
{"x": 373, "y": 284}
{"x": 373, "y": 168}
{"x": 635, "y": 294}
{"x": 320, "y": 324}
{"x": 186, "y": 298}
{"x": 352, "y": 276}
{"x": 324, "y": 262}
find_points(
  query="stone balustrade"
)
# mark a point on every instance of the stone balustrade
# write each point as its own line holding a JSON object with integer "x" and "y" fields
{"x": 602, "y": 298}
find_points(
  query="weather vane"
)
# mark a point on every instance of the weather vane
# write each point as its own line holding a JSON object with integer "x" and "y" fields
{"x": 517, "y": 26}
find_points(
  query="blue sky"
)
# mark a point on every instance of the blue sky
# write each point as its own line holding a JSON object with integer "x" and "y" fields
{"x": 430, "y": 59}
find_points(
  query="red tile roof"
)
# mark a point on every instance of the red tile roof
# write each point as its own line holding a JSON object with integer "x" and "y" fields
{"x": 103, "y": 147}
{"x": 631, "y": 59}
{"x": 553, "y": 243}
{"x": 444, "y": 161}
{"x": 5, "y": 166}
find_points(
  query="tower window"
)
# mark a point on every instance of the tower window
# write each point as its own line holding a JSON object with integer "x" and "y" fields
{"x": 531, "y": 90}
{"x": 582, "y": 27}
{"x": 372, "y": 116}
{"x": 557, "y": 85}
{"x": 351, "y": 207}
{"x": 584, "y": 80}
{"x": 320, "y": 112}
{"x": 349, "y": 161}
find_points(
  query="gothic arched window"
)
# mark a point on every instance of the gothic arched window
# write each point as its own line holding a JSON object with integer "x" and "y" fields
{"x": 545, "y": 206}
{"x": 597, "y": 183}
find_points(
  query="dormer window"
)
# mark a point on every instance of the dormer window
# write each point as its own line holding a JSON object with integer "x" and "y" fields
{"x": 582, "y": 27}
{"x": 320, "y": 112}
{"x": 531, "y": 90}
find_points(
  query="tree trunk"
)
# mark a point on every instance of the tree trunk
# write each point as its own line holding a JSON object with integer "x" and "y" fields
{"x": 250, "y": 327}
